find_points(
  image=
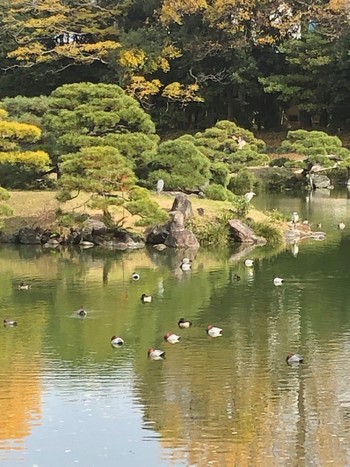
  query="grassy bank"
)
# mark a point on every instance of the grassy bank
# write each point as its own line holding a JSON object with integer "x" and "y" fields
{"x": 37, "y": 208}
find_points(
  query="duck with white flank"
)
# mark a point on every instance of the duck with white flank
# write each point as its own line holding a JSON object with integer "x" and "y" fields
{"x": 213, "y": 331}
{"x": 249, "y": 263}
{"x": 82, "y": 312}
{"x": 294, "y": 358}
{"x": 184, "y": 323}
{"x": 135, "y": 276}
{"x": 171, "y": 338}
{"x": 155, "y": 354}
{"x": 10, "y": 323}
{"x": 278, "y": 281}
{"x": 146, "y": 298}
{"x": 117, "y": 341}
{"x": 23, "y": 286}
{"x": 185, "y": 264}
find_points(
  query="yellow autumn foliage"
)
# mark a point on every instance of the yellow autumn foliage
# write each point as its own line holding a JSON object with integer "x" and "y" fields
{"x": 132, "y": 58}
{"x": 171, "y": 52}
{"x": 3, "y": 114}
{"x": 173, "y": 11}
{"x": 39, "y": 159}
{"x": 28, "y": 52}
{"x": 183, "y": 93}
{"x": 140, "y": 88}
{"x": 19, "y": 131}
{"x": 47, "y": 22}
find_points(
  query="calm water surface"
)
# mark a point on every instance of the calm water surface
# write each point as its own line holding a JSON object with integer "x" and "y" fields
{"x": 68, "y": 398}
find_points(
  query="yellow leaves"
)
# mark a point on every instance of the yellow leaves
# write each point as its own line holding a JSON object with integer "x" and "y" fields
{"x": 171, "y": 52}
{"x": 3, "y": 114}
{"x": 132, "y": 59}
{"x": 46, "y": 23}
{"x": 140, "y": 88}
{"x": 174, "y": 10}
{"x": 39, "y": 159}
{"x": 182, "y": 93}
{"x": 160, "y": 63}
{"x": 21, "y": 131}
{"x": 28, "y": 53}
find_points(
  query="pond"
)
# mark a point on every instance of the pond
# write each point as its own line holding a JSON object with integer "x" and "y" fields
{"x": 67, "y": 397}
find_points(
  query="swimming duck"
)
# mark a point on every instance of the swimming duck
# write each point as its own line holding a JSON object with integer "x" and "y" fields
{"x": 294, "y": 358}
{"x": 214, "y": 331}
{"x": 146, "y": 298}
{"x": 184, "y": 323}
{"x": 341, "y": 226}
{"x": 185, "y": 264}
{"x": 116, "y": 341}
{"x": 82, "y": 312}
{"x": 171, "y": 338}
{"x": 10, "y": 322}
{"x": 23, "y": 286}
{"x": 155, "y": 354}
{"x": 135, "y": 276}
{"x": 278, "y": 281}
{"x": 235, "y": 277}
{"x": 249, "y": 263}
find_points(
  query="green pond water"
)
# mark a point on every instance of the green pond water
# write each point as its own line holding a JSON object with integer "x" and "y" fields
{"x": 67, "y": 397}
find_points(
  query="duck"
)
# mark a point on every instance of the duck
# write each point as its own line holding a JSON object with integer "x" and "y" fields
{"x": 213, "y": 331}
{"x": 135, "y": 276}
{"x": 23, "y": 286}
{"x": 155, "y": 354}
{"x": 171, "y": 338}
{"x": 116, "y": 341}
{"x": 184, "y": 323}
{"x": 146, "y": 298}
{"x": 341, "y": 226}
{"x": 278, "y": 281}
{"x": 82, "y": 312}
{"x": 294, "y": 358}
{"x": 185, "y": 264}
{"x": 10, "y": 323}
{"x": 235, "y": 277}
{"x": 249, "y": 263}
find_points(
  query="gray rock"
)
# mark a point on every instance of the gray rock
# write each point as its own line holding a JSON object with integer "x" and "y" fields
{"x": 242, "y": 233}
{"x": 176, "y": 221}
{"x": 320, "y": 181}
{"x": 157, "y": 234}
{"x": 160, "y": 247}
{"x": 182, "y": 239}
{"x": 29, "y": 236}
{"x": 98, "y": 227}
{"x": 183, "y": 204}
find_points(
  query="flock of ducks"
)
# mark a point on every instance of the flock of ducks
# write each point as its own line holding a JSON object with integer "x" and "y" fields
{"x": 170, "y": 337}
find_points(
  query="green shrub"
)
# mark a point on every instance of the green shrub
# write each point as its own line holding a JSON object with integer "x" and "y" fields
{"x": 243, "y": 182}
{"x": 265, "y": 229}
{"x": 214, "y": 232}
{"x": 218, "y": 193}
{"x": 70, "y": 219}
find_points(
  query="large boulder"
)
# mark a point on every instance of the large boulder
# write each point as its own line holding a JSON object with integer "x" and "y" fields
{"x": 183, "y": 204}
{"x": 320, "y": 181}
{"x": 182, "y": 239}
{"x": 157, "y": 234}
{"x": 242, "y": 233}
{"x": 29, "y": 236}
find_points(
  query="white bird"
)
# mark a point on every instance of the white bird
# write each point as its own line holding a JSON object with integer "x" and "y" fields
{"x": 214, "y": 331}
{"x": 186, "y": 264}
{"x": 160, "y": 186}
{"x": 184, "y": 323}
{"x": 278, "y": 281}
{"x": 116, "y": 341}
{"x": 146, "y": 298}
{"x": 135, "y": 276}
{"x": 341, "y": 226}
{"x": 155, "y": 354}
{"x": 295, "y": 249}
{"x": 249, "y": 196}
{"x": 171, "y": 338}
{"x": 249, "y": 263}
{"x": 294, "y": 358}
{"x": 295, "y": 218}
